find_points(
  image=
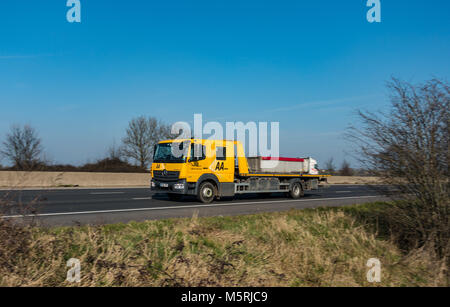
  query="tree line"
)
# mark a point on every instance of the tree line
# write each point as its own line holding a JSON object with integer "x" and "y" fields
{"x": 24, "y": 151}
{"x": 344, "y": 170}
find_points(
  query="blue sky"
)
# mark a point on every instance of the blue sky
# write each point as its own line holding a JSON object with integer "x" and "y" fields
{"x": 306, "y": 64}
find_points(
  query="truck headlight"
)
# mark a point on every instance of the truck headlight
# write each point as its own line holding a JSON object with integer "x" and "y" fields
{"x": 153, "y": 184}
{"x": 178, "y": 186}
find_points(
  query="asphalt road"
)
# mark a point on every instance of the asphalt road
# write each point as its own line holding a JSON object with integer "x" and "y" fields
{"x": 104, "y": 206}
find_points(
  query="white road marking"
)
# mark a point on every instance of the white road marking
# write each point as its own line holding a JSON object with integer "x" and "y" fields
{"x": 106, "y": 193}
{"x": 182, "y": 207}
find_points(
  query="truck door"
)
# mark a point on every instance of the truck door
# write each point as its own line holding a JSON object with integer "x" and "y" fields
{"x": 196, "y": 162}
{"x": 223, "y": 165}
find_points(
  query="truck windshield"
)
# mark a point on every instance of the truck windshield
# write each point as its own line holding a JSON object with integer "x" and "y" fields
{"x": 171, "y": 152}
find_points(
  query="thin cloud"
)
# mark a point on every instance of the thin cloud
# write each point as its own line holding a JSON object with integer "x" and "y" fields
{"x": 330, "y": 104}
{"x": 30, "y": 56}
{"x": 329, "y": 133}
{"x": 68, "y": 107}
{"x": 319, "y": 103}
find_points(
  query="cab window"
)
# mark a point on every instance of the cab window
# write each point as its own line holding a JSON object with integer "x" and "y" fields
{"x": 198, "y": 152}
{"x": 221, "y": 153}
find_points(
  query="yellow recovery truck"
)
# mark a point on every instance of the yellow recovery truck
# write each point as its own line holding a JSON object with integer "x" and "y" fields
{"x": 211, "y": 169}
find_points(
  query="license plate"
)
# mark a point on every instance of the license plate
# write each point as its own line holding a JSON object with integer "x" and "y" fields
{"x": 164, "y": 185}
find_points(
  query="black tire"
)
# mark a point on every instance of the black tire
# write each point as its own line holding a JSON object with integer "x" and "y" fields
{"x": 175, "y": 197}
{"x": 296, "y": 191}
{"x": 206, "y": 192}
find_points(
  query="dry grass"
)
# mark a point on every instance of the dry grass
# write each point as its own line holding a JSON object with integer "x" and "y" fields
{"x": 325, "y": 247}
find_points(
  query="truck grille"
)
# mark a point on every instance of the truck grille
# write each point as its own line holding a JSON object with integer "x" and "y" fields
{"x": 166, "y": 175}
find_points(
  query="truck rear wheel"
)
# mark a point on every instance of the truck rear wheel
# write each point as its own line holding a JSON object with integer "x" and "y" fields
{"x": 206, "y": 192}
{"x": 296, "y": 191}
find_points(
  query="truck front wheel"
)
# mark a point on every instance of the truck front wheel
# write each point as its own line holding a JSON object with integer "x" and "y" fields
{"x": 296, "y": 191}
{"x": 206, "y": 192}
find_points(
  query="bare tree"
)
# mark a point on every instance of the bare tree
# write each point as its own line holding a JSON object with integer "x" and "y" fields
{"x": 408, "y": 148}
{"x": 346, "y": 170}
{"x": 115, "y": 152}
{"x": 141, "y": 136}
{"x": 329, "y": 166}
{"x": 23, "y": 147}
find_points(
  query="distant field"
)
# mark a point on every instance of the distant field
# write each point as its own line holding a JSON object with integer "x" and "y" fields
{"x": 323, "y": 247}
{"x": 353, "y": 180}
{"x": 93, "y": 180}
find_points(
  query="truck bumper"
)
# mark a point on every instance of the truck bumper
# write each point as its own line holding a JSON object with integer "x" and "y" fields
{"x": 173, "y": 187}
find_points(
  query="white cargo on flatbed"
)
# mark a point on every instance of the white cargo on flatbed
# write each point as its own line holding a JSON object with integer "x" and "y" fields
{"x": 283, "y": 165}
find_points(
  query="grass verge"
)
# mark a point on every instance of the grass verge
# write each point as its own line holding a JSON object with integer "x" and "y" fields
{"x": 322, "y": 247}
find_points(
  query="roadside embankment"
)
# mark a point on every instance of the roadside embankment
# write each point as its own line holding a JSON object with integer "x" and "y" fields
{"x": 353, "y": 180}
{"x": 20, "y": 180}
{"x": 321, "y": 247}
